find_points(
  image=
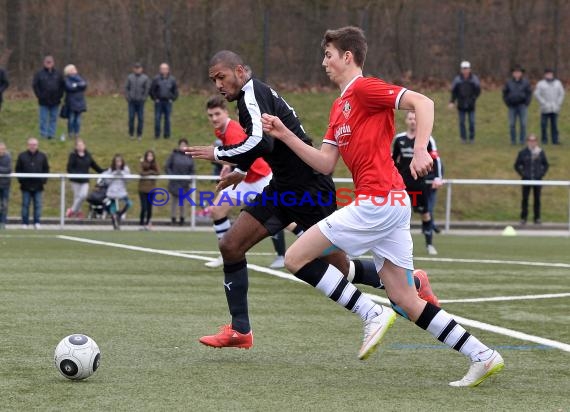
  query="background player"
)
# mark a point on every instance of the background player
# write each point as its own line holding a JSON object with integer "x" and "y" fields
{"x": 418, "y": 189}
{"x": 361, "y": 128}
{"x": 258, "y": 176}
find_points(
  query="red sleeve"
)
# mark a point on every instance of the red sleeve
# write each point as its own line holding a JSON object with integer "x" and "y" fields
{"x": 234, "y": 134}
{"x": 329, "y": 135}
{"x": 376, "y": 94}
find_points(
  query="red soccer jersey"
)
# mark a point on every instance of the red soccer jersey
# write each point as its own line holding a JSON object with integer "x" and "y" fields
{"x": 361, "y": 125}
{"x": 234, "y": 134}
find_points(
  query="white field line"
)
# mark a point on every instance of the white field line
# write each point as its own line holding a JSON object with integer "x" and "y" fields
{"x": 468, "y": 322}
{"x": 506, "y": 298}
{"x": 425, "y": 259}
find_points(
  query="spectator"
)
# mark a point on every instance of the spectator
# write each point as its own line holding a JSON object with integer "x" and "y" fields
{"x": 531, "y": 164}
{"x": 179, "y": 163}
{"x": 4, "y": 83}
{"x": 5, "y": 168}
{"x": 550, "y": 94}
{"x": 48, "y": 87}
{"x": 117, "y": 190}
{"x": 74, "y": 100}
{"x": 435, "y": 177}
{"x": 517, "y": 94}
{"x": 149, "y": 167}
{"x": 163, "y": 91}
{"x": 465, "y": 90}
{"x": 32, "y": 161}
{"x": 136, "y": 93}
{"x": 79, "y": 162}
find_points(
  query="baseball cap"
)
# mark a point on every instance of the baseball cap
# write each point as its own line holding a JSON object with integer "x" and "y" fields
{"x": 465, "y": 64}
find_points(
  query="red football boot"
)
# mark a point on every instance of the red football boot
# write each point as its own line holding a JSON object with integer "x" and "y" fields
{"x": 424, "y": 291}
{"x": 227, "y": 337}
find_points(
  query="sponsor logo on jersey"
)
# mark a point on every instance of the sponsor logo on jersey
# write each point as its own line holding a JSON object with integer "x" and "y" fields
{"x": 346, "y": 109}
{"x": 342, "y": 133}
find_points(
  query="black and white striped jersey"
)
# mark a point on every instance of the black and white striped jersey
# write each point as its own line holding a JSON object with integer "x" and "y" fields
{"x": 289, "y": 171}
{"x": 403, "y": 152}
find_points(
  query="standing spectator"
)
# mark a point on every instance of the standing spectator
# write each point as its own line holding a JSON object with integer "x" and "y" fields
{"x": 79, "y": 162}
{"x": 163, "y": 91}
{"x": 136, "y": 93}
{"x": 48, "y": 87}
{"x": 117, "y": 189}
{"x": 32, "y": 161}
{"x": 179, "y": 163}
{"x": 465, "y": 90}
{"x": 4, "y": 83}
{"x": 531, "y": 164}
{"x": 149, "y": 167}
{"x": 517, "y": 94}
{"x": 74, "y": 99}
{"x": 5, "y": 168}
{"x": 550, "y": 94}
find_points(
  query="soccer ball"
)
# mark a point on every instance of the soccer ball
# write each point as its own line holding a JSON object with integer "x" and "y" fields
{"x": 77, "y": 357}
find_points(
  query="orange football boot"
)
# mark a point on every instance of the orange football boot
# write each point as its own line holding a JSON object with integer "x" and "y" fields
{"x": 227, "y": 337}
{"x": 424, "y": 291}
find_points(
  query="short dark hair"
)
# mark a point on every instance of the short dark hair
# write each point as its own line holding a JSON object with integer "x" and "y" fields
{"x": 349, "y": 38}
{"x": 215, "y": 102}
{"x": 183, "y": 140}
{"x": 228, "y": 58}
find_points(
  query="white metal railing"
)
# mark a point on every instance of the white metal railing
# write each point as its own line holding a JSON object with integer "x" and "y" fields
{"x": 448, "y": 183}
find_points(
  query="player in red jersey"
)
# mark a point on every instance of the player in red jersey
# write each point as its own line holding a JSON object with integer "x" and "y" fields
{"x": 361, "y": 128}
{"x": 258, "y": 176}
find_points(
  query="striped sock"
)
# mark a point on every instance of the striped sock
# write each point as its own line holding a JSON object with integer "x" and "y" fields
{"x": 329, "y": 280}
{"x": 442, "y": 326}
{"x": 221, "y": 226}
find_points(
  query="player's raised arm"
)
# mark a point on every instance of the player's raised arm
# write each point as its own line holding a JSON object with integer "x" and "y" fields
{"x": 423, "y": 106}
{"x": 323, "y": 161}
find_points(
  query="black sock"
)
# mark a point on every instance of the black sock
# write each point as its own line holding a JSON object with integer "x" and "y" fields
{"x": 365, "y": 274}
{"x": 279, "y": 243}
{"x": 235, "y": 285}
{"x": 297, "y": 231}
{"x": 427, "y": 230}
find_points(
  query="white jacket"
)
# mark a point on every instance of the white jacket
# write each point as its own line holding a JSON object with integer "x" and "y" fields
{"x": 116, "y": 188}
{"x": 550, "y": 95}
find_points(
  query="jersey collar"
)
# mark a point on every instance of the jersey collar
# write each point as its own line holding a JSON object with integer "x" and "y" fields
{"x": 350, "y": 84}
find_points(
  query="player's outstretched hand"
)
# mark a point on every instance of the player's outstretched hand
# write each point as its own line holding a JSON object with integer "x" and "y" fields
{"x": 201, "y": 152}
{"x": 230, "y": 179}
{"x": 421, "y": 164}
{"x": 273, "y": 126}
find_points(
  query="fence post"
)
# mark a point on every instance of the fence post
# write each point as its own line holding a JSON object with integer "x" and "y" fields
{"x": 193, "y": 206}
{"x": 447, "y": 206}
{"x": 62, "y": 202}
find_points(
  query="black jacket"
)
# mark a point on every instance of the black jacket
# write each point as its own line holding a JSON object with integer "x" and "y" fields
{"x": 164, "y": 88}
{"x": 178, "y": 163}
{"x": 81, "y": 165}
{"x": 48, "y": 87}
{"x": 531, "y": 167}
{"x": 29, "y": 162}
{"x": 517, "y": 92}
{"x": 465, "y": 92}
{"x": 75, "y": 93}
{"x": 4, "y": 83}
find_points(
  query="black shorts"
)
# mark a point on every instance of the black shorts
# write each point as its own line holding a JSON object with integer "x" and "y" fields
{"x": 419, "y": 196}
{"x": 276, "y": 209}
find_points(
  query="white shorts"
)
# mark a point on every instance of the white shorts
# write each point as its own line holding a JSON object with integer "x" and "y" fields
{"x": 246, "y": 191}
{"x": 380, "y": 225}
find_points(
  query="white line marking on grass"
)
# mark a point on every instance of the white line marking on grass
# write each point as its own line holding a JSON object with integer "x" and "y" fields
{"x": 468, "y": 322}
{"x": 506, "y": 298}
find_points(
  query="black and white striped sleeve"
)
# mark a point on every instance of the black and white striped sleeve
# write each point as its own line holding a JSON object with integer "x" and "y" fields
{"x": 257, "y": 144}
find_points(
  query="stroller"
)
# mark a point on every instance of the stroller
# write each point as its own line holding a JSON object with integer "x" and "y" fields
{"x": 96, "y": 200}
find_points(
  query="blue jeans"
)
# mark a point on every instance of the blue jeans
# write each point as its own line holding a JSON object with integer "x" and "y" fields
{"x": 544, "y": 118}
{"x": 519, "y": 111}
{"x": 162, "y": 107}
{"x": 74, "y": 123}
{"x": 48, "y": 120}
{"x": 4, "y": 198}
{"x": 462, "y": 132}
{"x": 27, "y": 197}
{"x": 136, "y": 109}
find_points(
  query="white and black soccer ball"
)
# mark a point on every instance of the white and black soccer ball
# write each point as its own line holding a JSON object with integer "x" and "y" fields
{"x": 77, "y": 357}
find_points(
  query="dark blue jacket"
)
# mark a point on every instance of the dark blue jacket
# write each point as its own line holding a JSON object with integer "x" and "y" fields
{"x": 517, "y": 92}
{"x": 75, "y": 93}
{"x": 465, "y": 91}
{"x": 29, "y": 162}
{"x": 48, "y": 87}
